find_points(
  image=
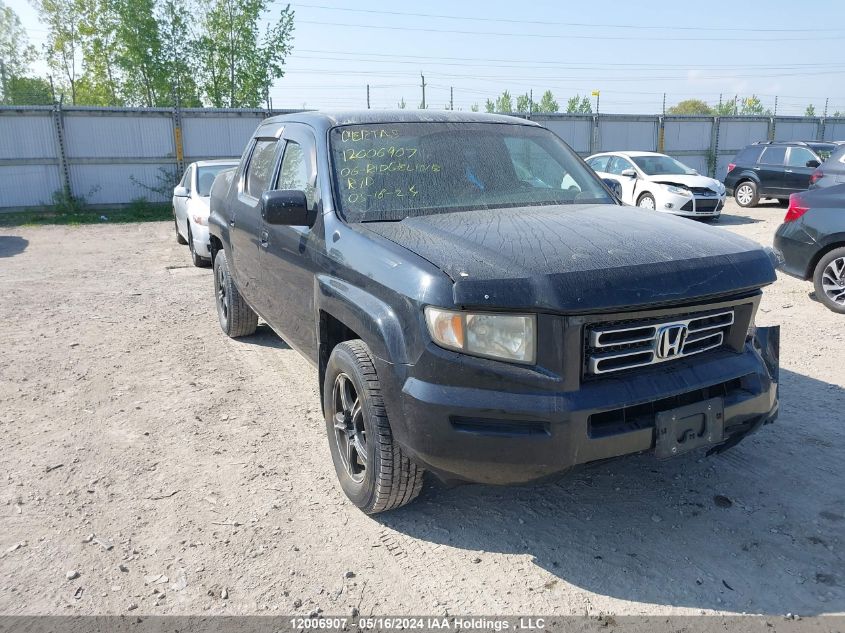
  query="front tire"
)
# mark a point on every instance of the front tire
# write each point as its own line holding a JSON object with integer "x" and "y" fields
{"x": 646, "y": 201}
{"x": 829, "y": 280}
{"x": 236, "y": 317}
{"x": 199, "y": 262}
{"x": 746, "y": 194}
{"x": 371, "y": 467}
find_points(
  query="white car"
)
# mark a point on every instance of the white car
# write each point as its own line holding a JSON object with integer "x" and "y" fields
{"x": 190, "y": 206}
{"x": 659, "y": 182}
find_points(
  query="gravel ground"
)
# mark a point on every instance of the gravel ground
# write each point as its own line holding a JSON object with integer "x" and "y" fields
{"x": 152, "y": 465}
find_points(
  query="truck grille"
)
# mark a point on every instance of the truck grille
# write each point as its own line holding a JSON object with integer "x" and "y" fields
{"x": 625, "y": 345}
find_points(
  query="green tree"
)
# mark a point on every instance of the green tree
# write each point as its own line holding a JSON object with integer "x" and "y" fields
{"x": 523, "y": 103}
{"x": 547, "y": 103}
{"x": 16, "y": 53}
{"x": 178, "y": 45}
{"x": 100, "y": 81}
{"x": 726, "y": 108}
{"x": 474, "y": 107}
{"x": 504, "y": 102}
{"x": 752, "y": 106}
{"x": 402, "y": 105}
{"x": 579, "y": 105}
{"x": 810, "y": 111}
{"x": 489, "y": 106}
{"x": 27, "y": 91}
{"x": 239, "y": 65}
{"x": 63, "y": 47}
{"x": 691, "y": 106}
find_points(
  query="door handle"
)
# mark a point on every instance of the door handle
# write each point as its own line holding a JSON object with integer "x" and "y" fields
{"x": 788, "y": 171}
{"x": 756, "y": 169}
{"x": 232, "y": 221}
{"x": 265, "y": 238}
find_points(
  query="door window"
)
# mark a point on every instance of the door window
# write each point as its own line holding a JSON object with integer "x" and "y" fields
{"x": 260, "y": 167}
{"x": 798, "y": 157}
{"x": 294, "y": 171}
{"x": 773, "y": 156}
{"x": 186, "y": 179}
{"x": 617, "y": 165}
{"x": 599, "y": 163}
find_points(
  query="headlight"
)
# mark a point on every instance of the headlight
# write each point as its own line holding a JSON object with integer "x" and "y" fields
{"x": 502, "y": 336}
{"x": 202, "y": 220}
{"x": 681, "y": 191}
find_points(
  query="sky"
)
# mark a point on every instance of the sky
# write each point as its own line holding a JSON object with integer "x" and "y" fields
{"x": 632, "y": 52}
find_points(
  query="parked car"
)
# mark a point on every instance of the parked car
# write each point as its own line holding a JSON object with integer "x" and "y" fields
{"x": 811, "y": 242}
{"x": 478, "y": 304}
{"x": 190, "y": 206}
{"x": 832, "y": 171}
{"x": 658, "y": 182}
{"x": 774, "y": 169}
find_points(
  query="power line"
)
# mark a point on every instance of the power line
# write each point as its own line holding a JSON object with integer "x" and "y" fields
{"x": 576, "y": 24}
{"x": 558, "y": 36}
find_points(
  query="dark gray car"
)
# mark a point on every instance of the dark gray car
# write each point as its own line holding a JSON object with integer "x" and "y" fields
{"x": 831, "y": 172}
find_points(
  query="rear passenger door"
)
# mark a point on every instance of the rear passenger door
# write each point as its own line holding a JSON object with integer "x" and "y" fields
{"x": 797, "y": 174}
{"x": 289, "y": 253}
{"x": 245, "y": 225}
{"x": 770, "y": 170}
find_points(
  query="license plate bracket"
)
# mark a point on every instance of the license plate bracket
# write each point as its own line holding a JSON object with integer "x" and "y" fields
{"x": 686, "y": 428}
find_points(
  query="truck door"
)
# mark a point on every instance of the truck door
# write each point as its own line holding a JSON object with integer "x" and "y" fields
{"x": 246, "y": 224}
{"x": 288, "y": 253}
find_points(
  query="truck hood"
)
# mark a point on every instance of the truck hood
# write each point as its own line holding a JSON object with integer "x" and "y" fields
{"x": 687, "y": 181}
{"x": 580, "y": 258}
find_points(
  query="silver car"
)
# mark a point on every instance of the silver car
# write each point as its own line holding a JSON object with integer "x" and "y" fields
{"x": 190, "y": 206}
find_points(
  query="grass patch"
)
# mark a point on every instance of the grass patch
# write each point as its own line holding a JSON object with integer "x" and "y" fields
{"x": 134, "y": 212}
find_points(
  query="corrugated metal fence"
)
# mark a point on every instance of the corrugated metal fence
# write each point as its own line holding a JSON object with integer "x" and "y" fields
{"x": 115, "y": 155}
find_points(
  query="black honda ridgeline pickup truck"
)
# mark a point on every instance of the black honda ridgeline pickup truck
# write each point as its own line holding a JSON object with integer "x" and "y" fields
{"x": 479, "y": 305}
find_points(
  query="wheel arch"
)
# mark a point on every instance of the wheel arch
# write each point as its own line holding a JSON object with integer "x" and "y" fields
{"x": 837, "y": 240}
{"x": 346, "y": 312}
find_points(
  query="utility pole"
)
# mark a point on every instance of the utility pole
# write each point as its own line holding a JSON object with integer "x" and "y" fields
{"x": 776, "y": 105}
{"x": 825, "y": 106}
{"x": 52, "y": 89}
{"x": 664, "y": 104}
{"x": 422, "y": 105}
{"x": 451, "y": 98}
{"x": 368, "y": 96}
{"x": 530, "y": 101}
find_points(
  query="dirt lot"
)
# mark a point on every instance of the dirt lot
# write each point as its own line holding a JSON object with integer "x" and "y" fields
{"x": 201, "y": 468}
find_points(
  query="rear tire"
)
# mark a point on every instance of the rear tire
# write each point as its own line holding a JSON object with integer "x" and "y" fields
{"x": 829, "y": 280}
{"x": 783, "y": 201}
{"x": 179, "y": 239}
{"x": 236, "y": 317}
{"x": 372, "y": 470}
{"x": 746, "y": 194}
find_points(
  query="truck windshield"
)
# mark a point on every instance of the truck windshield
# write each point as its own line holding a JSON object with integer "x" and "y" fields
{"x": 389, "y": 172}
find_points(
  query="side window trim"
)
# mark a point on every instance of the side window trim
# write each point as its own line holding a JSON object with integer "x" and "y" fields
{"x": 244, "y": 176}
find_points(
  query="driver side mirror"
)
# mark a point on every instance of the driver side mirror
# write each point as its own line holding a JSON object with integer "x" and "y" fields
{"x": 181, "y": 192}
{"x": 286, "y": 207}
{"x": 615, "y": 186}
{"x": 813, "y": 163}
{"x": 630, "y": 173}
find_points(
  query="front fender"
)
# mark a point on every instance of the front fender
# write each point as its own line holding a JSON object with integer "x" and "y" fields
{"x": 372, "y": 319}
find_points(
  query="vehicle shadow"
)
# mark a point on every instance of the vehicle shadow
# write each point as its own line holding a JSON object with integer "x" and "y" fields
{"x": 265, "y": 336}
{"x": 728, "y": 219}
{"x": 11, "y": 245}
{"x": 758, "y": 529}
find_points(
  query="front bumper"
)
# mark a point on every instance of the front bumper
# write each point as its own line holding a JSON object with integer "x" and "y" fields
{"x": 697, "y": 206}
{"x": 510, "y": 434}
{"x": 202, "y": 239}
